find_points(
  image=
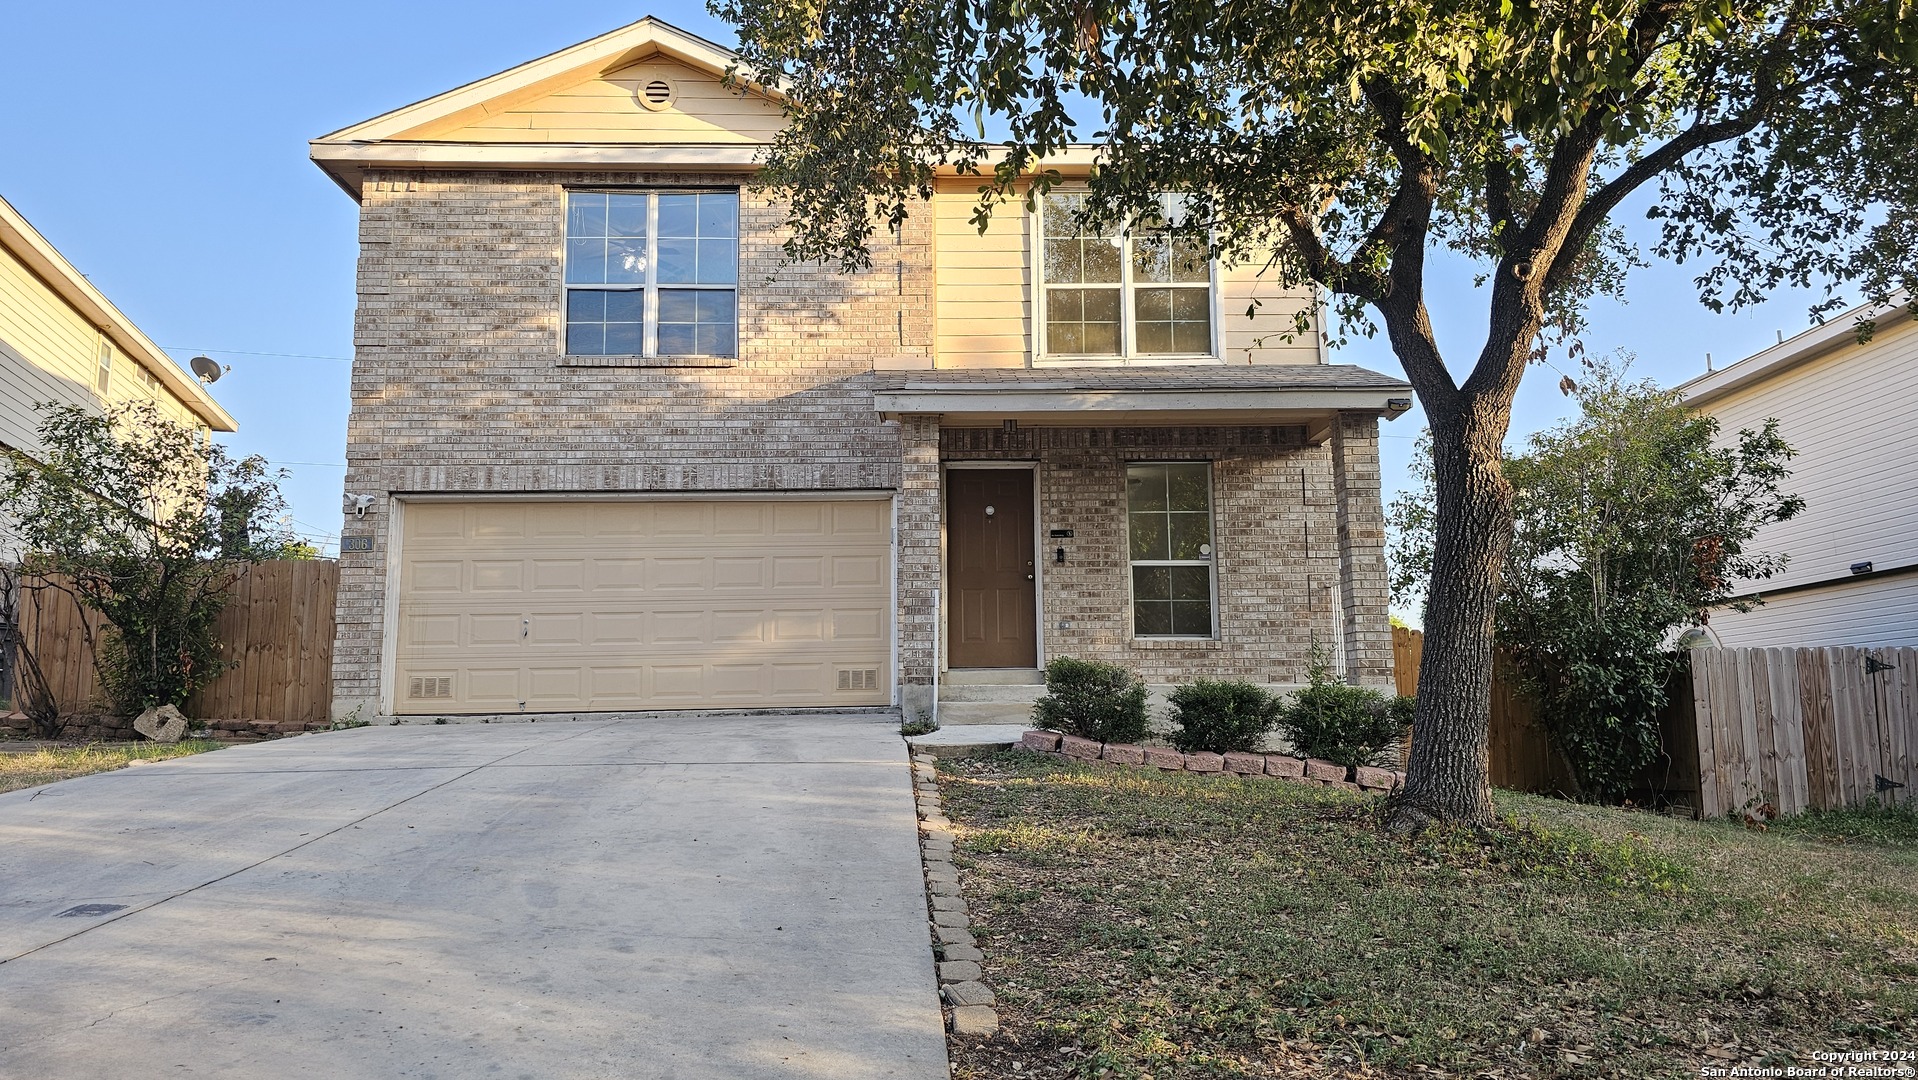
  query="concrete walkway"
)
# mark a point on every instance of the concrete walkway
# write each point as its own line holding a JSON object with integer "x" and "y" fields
{"x": 627, "y": 897}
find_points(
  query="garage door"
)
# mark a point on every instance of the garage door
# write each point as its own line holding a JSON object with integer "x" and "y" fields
{"x": 510, "y": 607}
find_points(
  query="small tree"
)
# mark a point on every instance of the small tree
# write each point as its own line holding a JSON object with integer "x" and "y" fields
{"x": 1632, "y": 521}
{"x": 147, "y": 522}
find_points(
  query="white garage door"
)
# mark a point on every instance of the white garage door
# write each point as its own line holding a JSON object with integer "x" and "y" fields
{"x": 510, "y": 607}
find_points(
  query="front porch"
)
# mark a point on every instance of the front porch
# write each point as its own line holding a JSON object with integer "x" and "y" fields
{"x": 1191, "y": 522}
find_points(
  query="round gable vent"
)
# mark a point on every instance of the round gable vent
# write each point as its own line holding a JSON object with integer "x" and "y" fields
{"x": 658, "y": 93}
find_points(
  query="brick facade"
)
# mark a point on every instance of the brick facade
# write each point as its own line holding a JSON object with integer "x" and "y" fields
{"x": 458, "y": 383}
{"x": 1275, "y": 531}
{"x": 459, "y": 386}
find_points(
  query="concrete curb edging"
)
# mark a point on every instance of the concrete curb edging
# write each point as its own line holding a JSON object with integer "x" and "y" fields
{"x": 967, "y": 1000}
{"x": 1298, "y": 770}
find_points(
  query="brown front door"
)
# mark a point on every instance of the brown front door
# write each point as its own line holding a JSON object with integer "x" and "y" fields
{"x": 990, "y": 619}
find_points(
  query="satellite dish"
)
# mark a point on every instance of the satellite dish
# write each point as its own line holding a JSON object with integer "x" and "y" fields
{"x": 206, "y": 370}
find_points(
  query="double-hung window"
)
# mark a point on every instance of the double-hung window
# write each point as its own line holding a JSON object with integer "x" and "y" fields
{"x": 1143, "y": 292}
{"x": 103, "y": 375}
{"x": 1169, "y": 528}
{"x": 652, "y": 273}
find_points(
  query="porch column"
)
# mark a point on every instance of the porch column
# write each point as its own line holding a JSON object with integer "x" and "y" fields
{"x": 919, "y": 518}
{"x": 1361, "y": 521}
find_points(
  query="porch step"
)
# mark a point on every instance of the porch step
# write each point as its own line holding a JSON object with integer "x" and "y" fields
{"x": 993, "y": 676}
{"x": 1025, "y": 692}
{"x": 971, "y": 713}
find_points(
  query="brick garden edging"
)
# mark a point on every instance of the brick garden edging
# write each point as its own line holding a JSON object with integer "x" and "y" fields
{"x": 1279, "y": 766}
{"x": 120, "y": 728}
{"x": 968, "y": 1001}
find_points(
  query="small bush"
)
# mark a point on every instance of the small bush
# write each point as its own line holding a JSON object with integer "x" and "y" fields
{"x": 1222, "y": 716}
{"x": 1092, "y": 700}
{"x": 1340, "y": 723}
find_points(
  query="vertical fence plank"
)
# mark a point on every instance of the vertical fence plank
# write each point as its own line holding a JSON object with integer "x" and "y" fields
{"x": 1764, "y": 726}
{"x": 1710, "y": 794}
{"x": 1788, "y": 732}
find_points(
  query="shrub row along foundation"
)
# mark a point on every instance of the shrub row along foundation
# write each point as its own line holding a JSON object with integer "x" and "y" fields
{"x": 1279, "y": 766}
{"x": 967, "y": 1000}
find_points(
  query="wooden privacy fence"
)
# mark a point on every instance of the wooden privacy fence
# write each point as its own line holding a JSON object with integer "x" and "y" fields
{"x": 1805, "y": 729}
{"x": 277, "y": 626}
{"x": 1520, "y": 755}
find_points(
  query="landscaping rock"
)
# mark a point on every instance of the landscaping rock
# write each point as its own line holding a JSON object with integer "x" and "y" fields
{"x": 1164, "y": 758}
{"x": 1245, "y": 764}
{"x": 963, "y": 952}
{"x": 1284, "y": 766}
{"x": 952, "y": 935}
{"x": 162, "y": 723}
{"x": 943, "y": 886}
{"x": 1046, "y": 741}
{"x": 949, "y": 918}
{"x": 969, "y": 993}
{"x": 1324, "y": 770}
{"x": 952, "y": 971}
{"x": 1083, "y": 749}
{"x": 1343, "y": 785}
{"x": 974, "y": 1020}
{"x": 1373, "y": 779}
{"x": 1124, "y": 754}
{"x": 948, "y": 903}
{"x": 1204, "y": 762}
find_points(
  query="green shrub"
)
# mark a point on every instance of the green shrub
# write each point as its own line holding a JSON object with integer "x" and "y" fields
{"x": 1340, "y": 723}
{"x": 1221, "y": 716}
{"x": 1092, "y": 700}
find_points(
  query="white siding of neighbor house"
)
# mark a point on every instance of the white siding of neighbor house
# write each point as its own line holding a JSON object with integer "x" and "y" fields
{"x": 1877, "y": 612}
{"x": 983, "y": 294}
{"x": 1852, "y": 416}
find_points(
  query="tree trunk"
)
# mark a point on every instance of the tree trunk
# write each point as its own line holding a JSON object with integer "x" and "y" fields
{"x": 1446, "y": 779}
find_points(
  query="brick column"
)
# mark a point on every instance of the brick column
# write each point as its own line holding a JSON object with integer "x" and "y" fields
{"x": 919, "y": 528}
{"x": 1361, "y": 524}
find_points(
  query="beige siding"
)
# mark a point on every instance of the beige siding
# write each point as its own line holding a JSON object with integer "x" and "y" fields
{"x": 983, "y": 294}
{"x": 1852, "y": 415}
{"x": 1268, "y": 335}
{"x": 49, "y": 352}
{"x": 606, "y": 110}
{"x": 1865, "y": 612}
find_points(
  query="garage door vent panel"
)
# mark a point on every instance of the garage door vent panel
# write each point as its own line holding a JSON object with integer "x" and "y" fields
{"x": 421, "y": 689}
{"x": 858, "y": 678}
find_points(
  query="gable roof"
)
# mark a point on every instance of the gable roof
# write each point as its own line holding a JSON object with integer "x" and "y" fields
{"x": 24, "y": 242}
{"x": 1832, "y": 334}
{"x": 396, "y": 137}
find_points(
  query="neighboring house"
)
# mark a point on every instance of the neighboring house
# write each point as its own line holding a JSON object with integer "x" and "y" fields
{"x": 1851, "y": 413}
{"x": 62, "y": 341}
{"x": 618, "y": 454}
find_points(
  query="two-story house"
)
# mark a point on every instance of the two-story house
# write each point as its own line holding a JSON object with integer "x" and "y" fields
{"x": 1850, "y": 410}
{"x": 621, "y": 455}
{"x": 63, "y": 341}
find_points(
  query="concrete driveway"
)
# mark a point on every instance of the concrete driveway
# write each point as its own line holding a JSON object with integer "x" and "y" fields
{"x": 730, "y": 897}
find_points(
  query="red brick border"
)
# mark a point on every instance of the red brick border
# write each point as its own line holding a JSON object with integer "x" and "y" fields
{"x": 1276, "y": 766}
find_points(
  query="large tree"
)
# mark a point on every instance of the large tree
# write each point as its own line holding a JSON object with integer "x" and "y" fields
{"x": 1356, "y": 138}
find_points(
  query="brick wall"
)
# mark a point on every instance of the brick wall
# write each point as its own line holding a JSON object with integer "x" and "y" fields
{"x": 1276, "y": 533}
{"x": 458, "y": 385}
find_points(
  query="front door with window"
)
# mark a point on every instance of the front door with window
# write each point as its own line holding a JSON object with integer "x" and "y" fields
{"x": 991, "y": 618}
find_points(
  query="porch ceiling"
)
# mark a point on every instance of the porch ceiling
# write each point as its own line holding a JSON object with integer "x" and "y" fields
{"x": 1139, "y": 397}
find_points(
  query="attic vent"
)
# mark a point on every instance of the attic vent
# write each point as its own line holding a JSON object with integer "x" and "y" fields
{"x": 858, "y": 678}
{"x": 658, "y": 93}
{"x": 419, "y": 688}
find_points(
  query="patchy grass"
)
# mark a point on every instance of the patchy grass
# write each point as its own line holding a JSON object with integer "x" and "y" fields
{"x": 1885, "y": 826}
{"x": 1142, "y": 925}
{"x": 34, "y": 768}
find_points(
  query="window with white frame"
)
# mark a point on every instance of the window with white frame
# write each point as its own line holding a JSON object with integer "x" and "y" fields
{"x": 652, "y": 273}
{"x": 1169, "y": 530}
{"x": 1143, "y": 292}
{"x": 103, "y": 377}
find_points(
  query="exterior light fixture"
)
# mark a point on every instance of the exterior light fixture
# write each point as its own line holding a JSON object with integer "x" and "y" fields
{"x": 1861, "y": 567}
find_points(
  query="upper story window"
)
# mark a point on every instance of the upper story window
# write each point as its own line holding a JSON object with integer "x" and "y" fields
{"x": 1144, "y": 293}
{"x": 652, "y": 273}
{"x": 103, "y": 377}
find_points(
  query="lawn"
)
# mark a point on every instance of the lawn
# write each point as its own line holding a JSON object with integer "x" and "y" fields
{"x": 33, "y": 768}
{"x": 1139, "y": 924}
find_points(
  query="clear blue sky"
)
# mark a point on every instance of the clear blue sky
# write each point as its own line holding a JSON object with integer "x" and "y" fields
{"x": 162, "y": 148}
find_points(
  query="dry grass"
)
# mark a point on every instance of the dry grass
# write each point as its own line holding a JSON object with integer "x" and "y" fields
{"x": 1146, "y": 925}
{"x": 45, "y": 765}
